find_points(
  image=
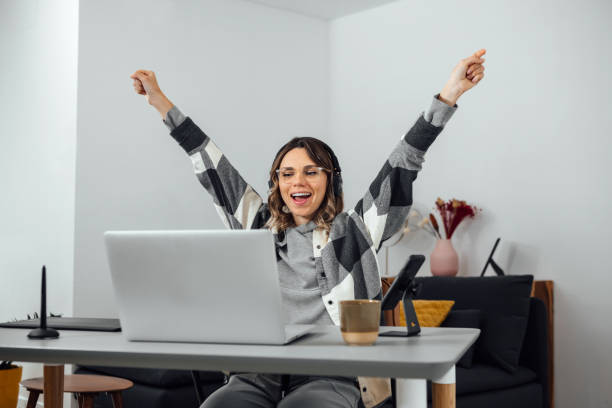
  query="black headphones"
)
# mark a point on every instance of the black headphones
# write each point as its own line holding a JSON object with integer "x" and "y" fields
{"x": 336, "y": 171}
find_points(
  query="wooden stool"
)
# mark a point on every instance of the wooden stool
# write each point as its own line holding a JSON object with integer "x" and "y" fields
{"x": 84, "y": 386}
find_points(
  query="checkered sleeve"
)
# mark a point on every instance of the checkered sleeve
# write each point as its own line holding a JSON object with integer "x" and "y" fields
{"x": 238, "y": 204}
{"x": 386, "y": 204}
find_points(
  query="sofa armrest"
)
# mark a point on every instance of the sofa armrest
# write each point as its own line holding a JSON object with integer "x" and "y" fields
{"x": 534, "y": 353}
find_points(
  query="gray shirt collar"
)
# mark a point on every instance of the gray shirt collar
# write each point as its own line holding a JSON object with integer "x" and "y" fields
{"x": 306, "y": 228}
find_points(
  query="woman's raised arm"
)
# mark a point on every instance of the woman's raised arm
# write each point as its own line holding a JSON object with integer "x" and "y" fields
{"x": 238, "y": 204}
{"x": 387, "y": 202}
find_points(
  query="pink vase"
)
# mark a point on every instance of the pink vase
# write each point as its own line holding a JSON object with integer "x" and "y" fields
{"x": 443, "y": 259}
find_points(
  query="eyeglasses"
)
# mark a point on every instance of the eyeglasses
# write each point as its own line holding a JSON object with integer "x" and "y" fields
{"x": 311, "y": 173}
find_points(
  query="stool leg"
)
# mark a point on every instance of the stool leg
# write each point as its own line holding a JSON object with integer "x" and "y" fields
{"x": 80, "y": 400}
{"x": 33, "y": 399}
{"x": 88, "y": 400}
{"x": 117, "y": 399}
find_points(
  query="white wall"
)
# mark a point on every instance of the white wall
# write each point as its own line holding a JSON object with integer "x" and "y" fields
{"x": 38, "y": 44}
{"x": 249, "y": 75}
{"x": 529, "y": 145}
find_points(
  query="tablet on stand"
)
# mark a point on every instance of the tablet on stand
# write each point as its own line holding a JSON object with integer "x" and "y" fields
{"x": 404, "y": 289}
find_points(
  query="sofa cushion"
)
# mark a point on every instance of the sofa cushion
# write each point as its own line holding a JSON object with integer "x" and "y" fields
{"x": 484, "y": 377}
{"x": 157, "y": 377}
{"x": 504, "y": 302}
{"x": 430, "y": 313}
{"x": 524, "y": 396}
{"x": 469, "y": 318}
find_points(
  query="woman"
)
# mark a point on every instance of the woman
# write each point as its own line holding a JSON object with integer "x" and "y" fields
{"x": 324, "y": 254}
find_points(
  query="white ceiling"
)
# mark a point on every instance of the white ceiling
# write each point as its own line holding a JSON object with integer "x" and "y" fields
{"x": 325, "y": 9}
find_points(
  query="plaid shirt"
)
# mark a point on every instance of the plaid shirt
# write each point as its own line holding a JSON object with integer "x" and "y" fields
{"x": 345, "y": 260}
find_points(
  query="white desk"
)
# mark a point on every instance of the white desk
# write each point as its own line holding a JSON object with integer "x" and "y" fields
{"x": 430, "y": 356}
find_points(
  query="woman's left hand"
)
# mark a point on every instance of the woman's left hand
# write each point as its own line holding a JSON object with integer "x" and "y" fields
{"x": 468, "y": 72}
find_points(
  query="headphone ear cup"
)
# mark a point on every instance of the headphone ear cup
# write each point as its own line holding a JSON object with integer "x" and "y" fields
{"x": 336, "y": 172}
{"x": 337, "y": 185}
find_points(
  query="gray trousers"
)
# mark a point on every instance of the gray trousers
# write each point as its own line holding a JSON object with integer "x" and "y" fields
{"x": 264, "y": 391}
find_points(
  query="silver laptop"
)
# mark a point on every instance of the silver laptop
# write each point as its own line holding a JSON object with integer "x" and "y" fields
{"x": 198, "y": 286}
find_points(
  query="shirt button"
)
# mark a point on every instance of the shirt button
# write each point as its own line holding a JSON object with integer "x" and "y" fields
{"x": 318, "y": 246}
{"x": 330, "y": 302}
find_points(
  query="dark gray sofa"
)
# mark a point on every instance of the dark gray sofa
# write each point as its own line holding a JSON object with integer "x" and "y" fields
{"x": 510, "y": 359}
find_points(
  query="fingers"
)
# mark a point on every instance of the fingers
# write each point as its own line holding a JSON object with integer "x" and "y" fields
{"x": 139, "y": 90}
{"x": 136, "y": 74}
{"x": 143, "y": 75}
{"x": 138, "y": 87}
{"x": 474, "y": 67}
{"x": 473, "y": 60}
{"x": 143, "y": 80}
{"x": 477, "y": 78}
{"x": 142, "y": 72}
{"x": 480, "y": 53}
{"x": 473, "y": 64}
{"x": 474, "y": 70}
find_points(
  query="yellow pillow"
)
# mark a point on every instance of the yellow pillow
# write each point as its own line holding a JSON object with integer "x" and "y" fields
{"x": 431, "y": 313}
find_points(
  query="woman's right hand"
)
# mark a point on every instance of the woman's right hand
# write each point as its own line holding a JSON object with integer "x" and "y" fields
{"x": 145, "y": 83}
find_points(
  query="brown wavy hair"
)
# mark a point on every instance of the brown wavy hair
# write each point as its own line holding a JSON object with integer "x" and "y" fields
{"x": 331, "y": 205}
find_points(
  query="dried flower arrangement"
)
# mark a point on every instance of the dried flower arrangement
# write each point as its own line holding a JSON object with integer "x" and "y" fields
{"x": 416, "y": 221}
{"x": 452, "y": 213}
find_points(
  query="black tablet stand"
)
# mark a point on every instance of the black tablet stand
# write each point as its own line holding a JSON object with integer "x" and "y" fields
{"x": 43, "y": 332}
{"x": 412, "y": 323}
{"x": 404, "y": 289}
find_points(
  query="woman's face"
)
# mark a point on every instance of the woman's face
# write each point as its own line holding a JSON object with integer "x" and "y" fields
{"x": 302, "y": 184}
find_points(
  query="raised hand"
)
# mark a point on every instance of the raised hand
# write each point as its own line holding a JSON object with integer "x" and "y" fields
{"x": 468, "y": 72}
{"x": 145, "y": 83}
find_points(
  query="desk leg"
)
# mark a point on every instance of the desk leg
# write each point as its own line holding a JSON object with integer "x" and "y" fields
{"x": 443, "y": 393}
{"x": 410, "y": 393}
{"x": 53, "y": 390}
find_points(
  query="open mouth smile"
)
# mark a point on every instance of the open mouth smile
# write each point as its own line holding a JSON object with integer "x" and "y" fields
{"x": 301, "y": 198}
